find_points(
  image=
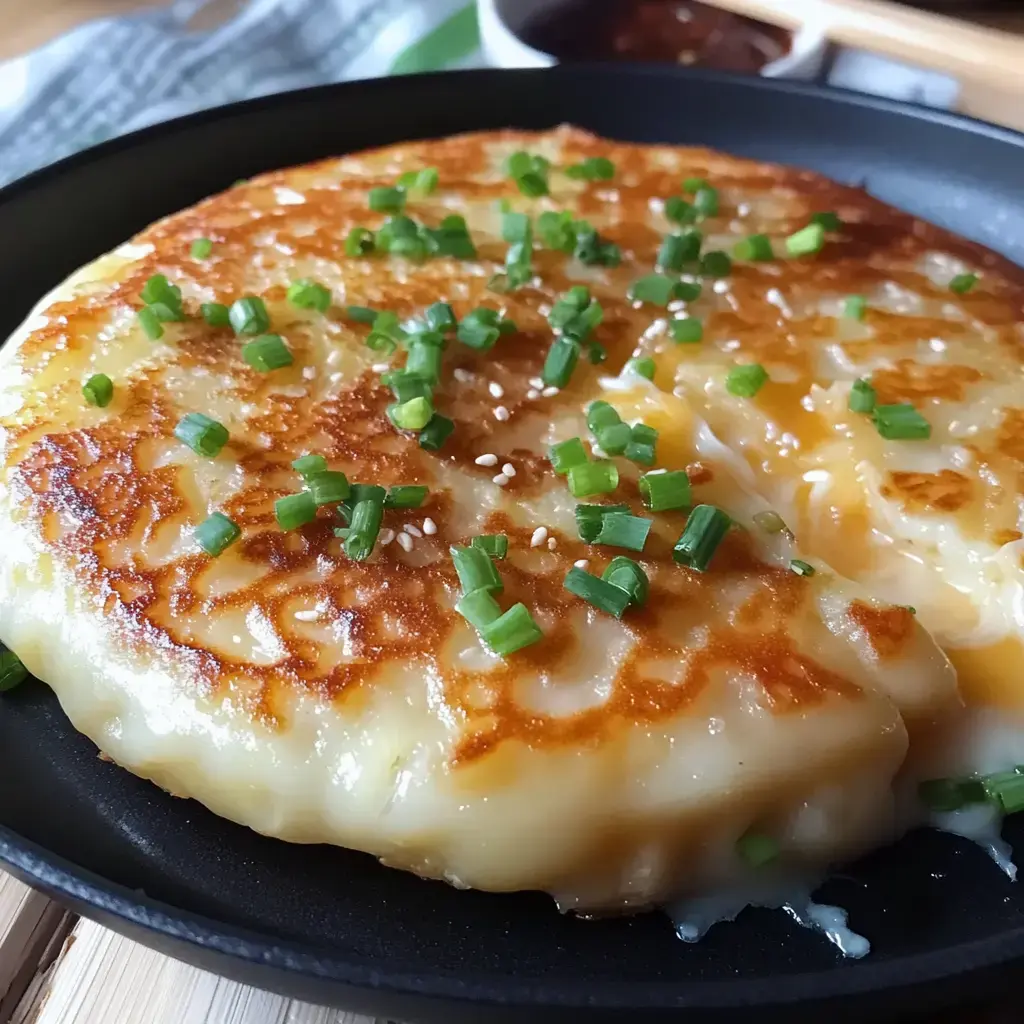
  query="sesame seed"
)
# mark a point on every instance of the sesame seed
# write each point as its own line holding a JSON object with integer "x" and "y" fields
{"x": 549, "y": 392}
{"x": 413, "y": 530}
{"x": 386, "y": 537}
{"x": 461, "y": 375}
{"x": 501, "y": 414}
{"x": 429, "y": 527}
{"x": 552, "y": 543}
{"x": 500, "y": 479}
{"x": 307, "y": 615}
{"x": 539, "y": 536}
{"x": 536, "y": 382}
{"x": 533, "y": 394}
{"x": 508, "y": 469}
{"x": 496, "y": 390}
{"x": 380, "y": 367}
{"x": 308, "y": 372}
{"x": 581, "y": 563}
{"x": 486, "y": 460}
{"x": 405, "y": 542}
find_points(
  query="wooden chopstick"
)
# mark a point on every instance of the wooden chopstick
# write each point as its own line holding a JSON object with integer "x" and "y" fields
{"x": 934, "y": 41}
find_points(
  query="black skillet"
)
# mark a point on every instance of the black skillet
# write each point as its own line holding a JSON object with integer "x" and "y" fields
{"x": 334, "y": 927}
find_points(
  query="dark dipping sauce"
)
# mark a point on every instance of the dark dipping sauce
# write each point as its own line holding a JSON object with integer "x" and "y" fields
{"x": 677, "y": 31}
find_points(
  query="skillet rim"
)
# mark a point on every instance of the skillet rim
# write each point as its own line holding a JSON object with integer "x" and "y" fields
{"x": 136, "y": 911}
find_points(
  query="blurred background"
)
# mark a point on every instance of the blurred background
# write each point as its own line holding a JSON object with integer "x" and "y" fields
{"x": 77, "y": 72}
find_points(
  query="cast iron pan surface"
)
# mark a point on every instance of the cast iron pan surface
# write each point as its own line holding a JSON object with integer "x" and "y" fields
{"x": 332, "y": 926}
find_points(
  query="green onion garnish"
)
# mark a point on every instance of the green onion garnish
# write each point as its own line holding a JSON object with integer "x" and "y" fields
{"x": 601, "y": 414}
{"x": 159, "y": 291}
{"x": 662, "y": 491}
{"x": 424, "y": 360}
{"x": 657, "y": 289}
{"x": 706, "y": 201}
{"x": 675, "y": 251}
{"x": 745, "y": 381}
{"x": 947, "y": 795}
{"x": 593, "y": 168}
{"x": 754, "y": 248}
{"x": 436, "y": 432}
{"x": 569, "y": 306}
{"x": 560, "y": 362}
{"x": 593, "y": 478}
{"x": 359, "y": 242}
{"x": 806, "y": 241}
{"x": 329, "y": 487}
{"x": 855, "y": 307}
{"x": 386, "y": 200}
{"x": 530, "y": 173}
{"x": 150, "y": 323}
{"x": 98, "y": 390}
{"x": 716, "y": 264}
{"x": 567, "y": 454}
{"x": 407, "y": 386}
{"x": 516, "y": 227}
{"x": 686, "y": 330}
{"x": 901, "y": 423}
{"x": 451, "y": 239}
{"x": 361, "y": 314}
{"x": 862, "y": 396}
{"x": 307, "y": 294}
{"x": 589, "y": 519}
{"x": 266, "y": 353}
{"x": 614, "y": 438}
{"x": 479, "y": 331}
{"x": 624, "y": 531}
{"x": 495, "y": 544}
{"x": 201, "y": 248}
{"x": 295, "y": 510}
{"x": 216, "y": 533}
{"x": 479, "y": 608}
{"x": 12, "y": 672}
{"x": 594, "y": 251}
{"x": 694, "y": 184}
{"x": 216, "y": 314}
{"x": 202, "y": 434}
{"x": 641, "y": 448}
{"x": 441, "y": 317}
{"x": 828, "y": 220}
{"x": 604, "y": 596}
{"x": 1007, "y": 790}
{"x": 963, "y": 283}
{"x": 395, "y": 228}
{"x": 557, "y": 230}
{"x": 309, "y": 465}
{"x": 364, "y": 521}
{"x": 423, "y": 182}
{"x": 412, "y": 415}
{"x": 757, "y": 849}
{"x": 515, "y": 630}
{"x": 642, "y": 366}
{"x": 406, "y": 496}
{"x": 706, "y": 527}
{"x": 249, "y": 316}
{"x": 627, "y": 575}
{"x": 679, "y": 210}
{"x": 475, "y": 570}
{"x": 386, "y": 333}
{"x": 802, "y": 568}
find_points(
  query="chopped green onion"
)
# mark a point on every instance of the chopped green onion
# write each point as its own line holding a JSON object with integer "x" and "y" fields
{"x": 593, "y": 251}
{"x": 705, "y": 529}
{"x": 644, "y": 433}
{"x": 583, "y": 323}
{"x": 947, "y": 795}
{"x": 150, "y": 323}
{"x": 386, "y": 200}
{"x": 423, "y": 182}
{"x": 98, "y": 390}
{"x": 746, "y": 380}
{"x": 802, "y": 568}
{"x": 309, "y": 465}
{"x": 901, "y": 423}
{"x": 806, "y": 241}
{"x": 963, "y": 283}
{"x": 1007, "y": 790}
{"x": 451, "y": 239}
{"x": 590, "y": 517}
{"x": 475, "y": 570}
{"x": 627, "y": 575}
{"x": 716, "y": 264}
{"x": 477, "y": 334}
{"x": 604, "y": 596}
{"x": 624, "y": 531}
{"x": 412, "y": 415}
{"x": 654, "y": 288}
{"x": 411, "y": 248}
{"x": 201, "y": 248}
{"x": 359, "y": 242}
{"x": 479, "y": 608}
{"x": 406, "y": 386}
{"x": 158, "y": 289}
{"x": 757, "y": 849}
{"x": 769, "y": 521}
{"x": 295, "y": 510}
{"x": 679, "y": 210}
{"x": 249, "y": 316}
{"x": 532, "y": 185}
{"x": 642, "y": 366}
{"x": 828, "y": 220}
{"x": 862, "y": 396}
{"x": 12, "y": 672}
{"x": 692, "y": 185}
{"x": 166, "y": 314}
{"x": 386, "y": 333}
{"x": 686, "y": 330}
{"x": 216, "y": 533}
{"x": 495, "y": 544}
{"x": 593, "y": 168}
{"x": 515, "y": 630}
{"x": 395, "y": 228}
{"x": 640, "y": 452}
{"x": 364, "y": 521}
{"x": 569, "y": 306}
{"x": 614, "y": 438}
{"x": 754, "y": 248}
{"x": 329, "y": 487}
{"x": 216, "y": 314}
{"x": 441, "y": 317}
{"x": 706, "y": 201}
{"x": 436, "y": 432}
{"x": 663, "y": 491}
{"x": 406, "y": 496}
{"x": 593, "y": 478}
{"x": 855, "y": 307}
{"x": 673, "y": 253}
{"x": 361, "y": 314}
{"x": 567, "y": 454}
{"x": 424, "y": 360}
{"x": 203, "y": 435}
{"x": 516, "y": 227}
{"x": 601, "y": 414}
{"x": 560, "y": 362}
{"x": 557, "y": 230}
{"x": 307, "y": 294}
{"x": 266, "y": 353}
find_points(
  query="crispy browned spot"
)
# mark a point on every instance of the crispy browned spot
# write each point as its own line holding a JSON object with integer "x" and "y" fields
{"x": 945, "y": 491}
{"x": 1010, "y": 439}
{"x": 1001, "y": 537}
{"x": 909, "y": 381}
{"x": 888, "y": 629}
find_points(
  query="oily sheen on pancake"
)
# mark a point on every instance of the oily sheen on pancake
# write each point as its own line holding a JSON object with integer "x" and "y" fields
{"x": 614, "y": 763}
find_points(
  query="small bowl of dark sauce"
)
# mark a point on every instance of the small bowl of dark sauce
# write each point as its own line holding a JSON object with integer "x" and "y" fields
{"x": 538, "y": 33}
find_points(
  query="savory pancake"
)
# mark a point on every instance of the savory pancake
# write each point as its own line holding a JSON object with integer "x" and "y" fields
{"x": 224, "y": 613}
